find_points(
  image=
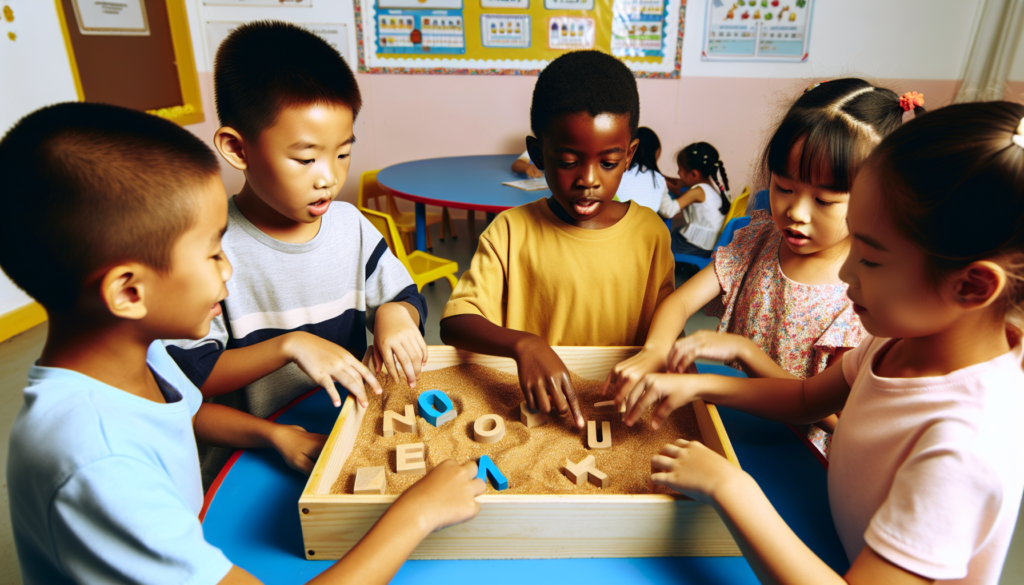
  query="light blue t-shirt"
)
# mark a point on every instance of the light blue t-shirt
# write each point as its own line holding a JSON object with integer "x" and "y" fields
{"x": 104, "y": 485}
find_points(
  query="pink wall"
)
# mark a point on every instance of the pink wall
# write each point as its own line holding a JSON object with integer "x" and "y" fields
{"x": 425, "y": 116}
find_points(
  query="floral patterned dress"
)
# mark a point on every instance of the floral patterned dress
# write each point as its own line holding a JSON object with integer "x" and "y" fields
{"x": 800, "y": 326}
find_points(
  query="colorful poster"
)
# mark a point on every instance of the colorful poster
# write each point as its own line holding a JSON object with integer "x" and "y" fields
{"x": 569, "y": 33}
{"x": 421, "y": 32}
{"x": 422, "y": 4}
{"x": 521, "y": 4}
{"x": 638, "y": 28}
{"x": 306, "y": 3}
{"x": 100, "y": 17}
{"x": 757, "y": 30}
{"x": 569, "y": 4}
{"x": 505, "y": 30}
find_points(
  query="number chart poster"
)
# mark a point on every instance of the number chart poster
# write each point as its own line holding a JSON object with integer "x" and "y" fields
{"x": 516, "y": 37}
{"x": 757, "y": 30}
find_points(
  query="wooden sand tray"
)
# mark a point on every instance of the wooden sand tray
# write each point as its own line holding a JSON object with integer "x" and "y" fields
{"x": 575, "y": 522}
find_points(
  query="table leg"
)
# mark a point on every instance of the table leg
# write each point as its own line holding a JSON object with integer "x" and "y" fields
{"x": 490, "y": 217}
{"x": 471, "y": 221}
{"x": 421, "y": 226}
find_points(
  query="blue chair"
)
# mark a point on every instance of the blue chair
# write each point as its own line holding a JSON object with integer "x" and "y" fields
{"x": 761, "y": 201}
{"x": 723, "y": 240}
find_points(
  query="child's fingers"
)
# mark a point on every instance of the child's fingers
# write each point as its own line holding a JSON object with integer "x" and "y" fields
{"x": 414, "y": 351}
{"x": 664, "y": 479}
{"x": 574, "y": 403}
{"x": 670, "y": 450}
{"x": 668, "y": 405}
{"x": 328, "y": 383}
{"x": 351, "y": 381}
{"x": 540, "y": 396}
{"x": 389, "y": 362}
{"x": 633, "y": 410}
{"x": 363, "y": 372}
{"x": 424, "y": 350}
{"x": 401, "y": 354}
{"x": 662, "y": 463}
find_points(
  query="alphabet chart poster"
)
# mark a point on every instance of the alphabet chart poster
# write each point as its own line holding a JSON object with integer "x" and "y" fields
{"x": 515, "y": 37}
{"x": 757, "y": 30}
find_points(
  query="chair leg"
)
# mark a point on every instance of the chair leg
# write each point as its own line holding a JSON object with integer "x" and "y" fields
{"x": 452, "y": 280}
{"x": 446, "y": 218}
{"x": 430, "y": 245}
{"x": 407, "y": 241}
{"x": 471, "y": 221}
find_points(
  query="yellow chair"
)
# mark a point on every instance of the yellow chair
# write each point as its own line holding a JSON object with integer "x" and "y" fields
{"x": 424, "y": 268}
{"x": 738, "y": 207}
{"x": 371, "y": 191}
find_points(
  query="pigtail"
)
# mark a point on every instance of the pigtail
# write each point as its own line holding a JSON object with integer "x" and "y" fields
{"x": 912, "y": 102}
{"x": 723, "y": 189}
{"x": 704, "y": 158}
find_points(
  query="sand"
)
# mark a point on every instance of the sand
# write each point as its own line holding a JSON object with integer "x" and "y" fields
{"x": 531, "y": 459}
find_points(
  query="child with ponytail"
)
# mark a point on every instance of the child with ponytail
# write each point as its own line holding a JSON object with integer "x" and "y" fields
{"x": 783, "y": 308}
{"x": 704, "y": 205}
{"x": 926, "y": 475}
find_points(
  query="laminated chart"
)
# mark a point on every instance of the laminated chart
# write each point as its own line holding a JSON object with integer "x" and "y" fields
{"x": 569, "y": 33}
{"x": 505, "y": 30}
{"x": 568, "y": 4}
{"x": 638, "y": 28}
{"x": 757, "y": 30}
{"x": 421, "y": 32}
{"x": 520, "y": 4}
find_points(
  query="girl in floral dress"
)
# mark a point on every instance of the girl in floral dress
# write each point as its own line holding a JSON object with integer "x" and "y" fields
{"x": 784, "y": 311}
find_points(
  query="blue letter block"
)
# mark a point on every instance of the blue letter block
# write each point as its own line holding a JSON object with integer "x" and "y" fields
{"x": 434, "y": 405}
{"x": 486, "y": 467}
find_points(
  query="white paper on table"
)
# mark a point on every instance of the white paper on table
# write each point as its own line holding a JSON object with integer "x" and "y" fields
{"x": 528, "y": 184}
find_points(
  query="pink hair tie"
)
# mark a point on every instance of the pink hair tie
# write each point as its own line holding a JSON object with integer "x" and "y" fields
{"x": 911, "y": 100}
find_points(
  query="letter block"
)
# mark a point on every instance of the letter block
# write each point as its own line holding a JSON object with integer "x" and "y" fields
{"x": 606, "y": 405}
{"x": 410, "y": 459}
{"x": 489, "y": 428}
{"x": 436, "y": 408}
{"x": 577, "y": 472}
{"x": 394, "y": 422}
{"x": 598, "y": 477}
{"x": 370, "y": 481}
{"x": 486, "y": 468}
{"x": 531, "y": 418}
{"x": 606, "y": 435}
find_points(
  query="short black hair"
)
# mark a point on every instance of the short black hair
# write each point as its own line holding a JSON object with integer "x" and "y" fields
{"x": 584, "y": 81}
{"x": 86, "y": 186}
{"x": 267, "y": 65}
{"x": 837, "y": 123}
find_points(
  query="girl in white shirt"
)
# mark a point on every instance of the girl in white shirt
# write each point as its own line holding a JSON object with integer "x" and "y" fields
{"x": 926, "y": 472}
{"x": 643, "y": 182}
{"x": 704, "y": 206}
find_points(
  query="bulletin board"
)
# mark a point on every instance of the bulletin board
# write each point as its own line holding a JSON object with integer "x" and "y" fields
{"x": 757, "y": 30}
{"x": 133, "y": 53}
{"x": 515, "y": 37}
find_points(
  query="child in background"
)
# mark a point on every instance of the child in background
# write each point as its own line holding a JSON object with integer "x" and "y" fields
{"x": 578, "y": 268}
{"x": 783, "y": 308}
{"x": 643, "y": 182}
{"x": 926, "y": 476}
{"x": 524, "y": 166}
{"x": 704, "y": 206}
{"x": 311, "y": 276}
{"x": 113, "y": 221}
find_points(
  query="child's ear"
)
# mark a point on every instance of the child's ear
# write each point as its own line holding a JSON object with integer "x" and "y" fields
{"x": 632, "y": 151}
{"x": 123, "y": 291}
{"x": 231, "y": 146}
{"x": 979, "y": 285}
{"x": 533, "y": 146}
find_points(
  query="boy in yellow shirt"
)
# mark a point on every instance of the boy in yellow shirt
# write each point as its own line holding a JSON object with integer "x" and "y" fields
{"x": 578, "y": 268}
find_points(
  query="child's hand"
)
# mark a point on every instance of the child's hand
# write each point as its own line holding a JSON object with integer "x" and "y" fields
{"x": 444, "y": 497}
{"x": 327, "y": 362}
{"x": 534, "y": 172}
{"x": 543, "y": 376}
{"x": 708, "y": 345}
{"x": 669, "y": 391}
{"x": 690, "y": 468}
{"x": 625, "y": 375}
{"x": 299, "y": 448}
{"x": 397, "y": 341}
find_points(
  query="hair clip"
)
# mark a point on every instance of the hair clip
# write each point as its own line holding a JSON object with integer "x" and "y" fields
{"x": 814, "y": 85}
{"x": 1018, "y": 138}
{"x": 911, "y": 100}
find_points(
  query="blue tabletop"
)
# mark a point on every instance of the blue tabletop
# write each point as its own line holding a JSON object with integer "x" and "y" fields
{"x": 462, "y": 182}
{"x": 254, "y": 516}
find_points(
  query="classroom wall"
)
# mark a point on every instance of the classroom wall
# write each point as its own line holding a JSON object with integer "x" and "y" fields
{"x": 730, "y": 105}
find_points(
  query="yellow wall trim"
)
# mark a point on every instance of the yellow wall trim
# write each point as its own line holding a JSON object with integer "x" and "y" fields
{"x": 21, "y": 319}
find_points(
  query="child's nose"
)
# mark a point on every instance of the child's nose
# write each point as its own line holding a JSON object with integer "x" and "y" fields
{"x": 800, "y": 210}
{"x": 587, "y": 179}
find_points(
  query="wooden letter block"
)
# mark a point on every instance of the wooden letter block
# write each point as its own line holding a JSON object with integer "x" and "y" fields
{"x": 436, "y": 408}
{"x": 486, "y": 468}
{"x": 598, "y": 477}
{"x": 577, "y": 472}
{"x": 370, "y": 481}
{"x": 489, "y": 428}
{"x": 622, "y": 410}
{"x": 608, "y": 405}
{"x": 394, "y": 422}
{"x": 606, "y": 435}
{"x": 410, "y": 459}
{"x": 532, "y": 418}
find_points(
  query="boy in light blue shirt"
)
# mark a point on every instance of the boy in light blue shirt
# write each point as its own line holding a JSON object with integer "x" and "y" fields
{"x": 113, "y": 222}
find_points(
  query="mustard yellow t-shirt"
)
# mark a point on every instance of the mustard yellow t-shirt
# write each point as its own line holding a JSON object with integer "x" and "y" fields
{"x": 533, "y": 272}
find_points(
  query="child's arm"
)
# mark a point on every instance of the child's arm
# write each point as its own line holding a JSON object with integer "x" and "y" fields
{"x": 693, "y": 195}
{"x": 444, "y": 497}
{"x": 774, "y": 552}
{"x": 724, "y": 347}
{"x": 221, "y": 426}
{"x": 397, "y": 341}
{"x": 525, "y": 167}
{"x": 541, "y": 371}
{"x": 323, "y": 361}
{"x": 668, "y": 323}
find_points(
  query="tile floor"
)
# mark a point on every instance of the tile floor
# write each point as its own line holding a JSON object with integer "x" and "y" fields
{"x": 18, "y": 353}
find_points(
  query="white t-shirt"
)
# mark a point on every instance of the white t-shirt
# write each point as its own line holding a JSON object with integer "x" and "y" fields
{"x": 704, "y": 219}
{"x": 929, "y": 472}
{"x": 646, "y": 188}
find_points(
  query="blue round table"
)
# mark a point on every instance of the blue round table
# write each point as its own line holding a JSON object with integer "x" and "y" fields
{"x": 473, "y": 183}
{"x": 251, "y": 514}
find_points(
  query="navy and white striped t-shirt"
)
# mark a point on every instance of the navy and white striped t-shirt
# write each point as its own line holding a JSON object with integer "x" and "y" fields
{"x": 330, "y": 286}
